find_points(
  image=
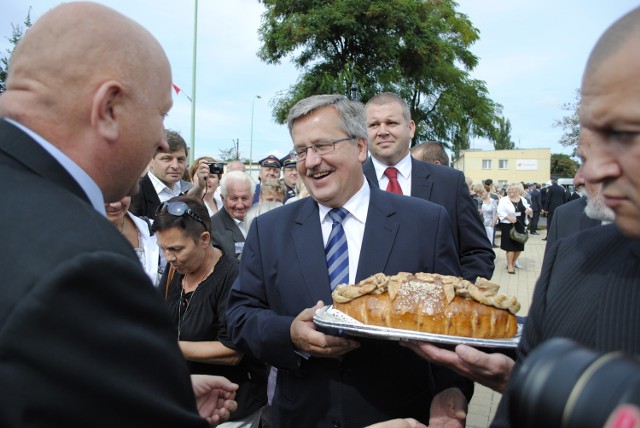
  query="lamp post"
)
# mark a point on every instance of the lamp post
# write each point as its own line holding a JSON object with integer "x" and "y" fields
{"x": 193, "y": 84}
{"x": 253, "y": 102}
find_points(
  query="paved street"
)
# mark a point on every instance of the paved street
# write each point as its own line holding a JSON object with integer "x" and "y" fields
{"x": 485, "y": 402}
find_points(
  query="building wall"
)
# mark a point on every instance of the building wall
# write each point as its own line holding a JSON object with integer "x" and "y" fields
{"x": 506, "y": 166}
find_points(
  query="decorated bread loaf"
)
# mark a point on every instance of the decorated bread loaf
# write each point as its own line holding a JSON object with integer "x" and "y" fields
{"x": 430, "y": 303}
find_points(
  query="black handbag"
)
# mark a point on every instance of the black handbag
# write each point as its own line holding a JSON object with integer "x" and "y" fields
{"x": 517, "y": 236}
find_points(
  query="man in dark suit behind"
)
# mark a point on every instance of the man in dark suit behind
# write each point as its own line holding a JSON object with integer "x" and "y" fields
{"x": 164, "y": 180}
{"x": 555, "y": 196}
{"x": 536, "y": 207}
{"x": 326, "y": 380}
{"x": 85, "y": 338}
{"x": 228, "y": 232}
{"x": 390, "y": 130}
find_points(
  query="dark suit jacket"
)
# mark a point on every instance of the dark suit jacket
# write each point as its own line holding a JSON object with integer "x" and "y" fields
{"x": 569, "y": 219}
{"x": 446, "y": 186}
{"x": 536, "y": 200}
{"x": 225, "y": 232}
{"x": 85, "y": 337}
{"x": 146, "y": 201}
{"x": 556, "y": 196}
{"x": 588, "y": 291}
{"x": 283, "y": 270}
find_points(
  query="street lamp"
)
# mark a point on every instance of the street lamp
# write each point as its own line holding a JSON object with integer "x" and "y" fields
{"x": 193, "y": 83}
{"x": 253, "y": 102}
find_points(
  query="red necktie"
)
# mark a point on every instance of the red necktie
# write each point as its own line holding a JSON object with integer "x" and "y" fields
{"x": 393, "y": 186}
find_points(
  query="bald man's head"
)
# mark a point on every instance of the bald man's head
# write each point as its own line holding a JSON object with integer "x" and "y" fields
{"x": 95, "y": 84}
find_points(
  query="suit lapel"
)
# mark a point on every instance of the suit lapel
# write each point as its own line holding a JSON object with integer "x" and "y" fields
{"x": 379, "y": 235}
{"x": 309, "y": 248}
{"x": 421, "y": 184}
{"x": 230, "y": 224}
{"x": 24, "y": 150}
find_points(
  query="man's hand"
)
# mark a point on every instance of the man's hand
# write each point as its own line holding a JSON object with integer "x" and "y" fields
{"x": 214, "y": 397}
{"x": 448, "y": 409}
{"x": 490, "y": 370}
{"x": 399, "y": 423}
{"x": 306, "y": 338}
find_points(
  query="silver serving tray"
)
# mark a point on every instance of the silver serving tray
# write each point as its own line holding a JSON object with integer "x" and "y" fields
{"x": 330, "y": 318}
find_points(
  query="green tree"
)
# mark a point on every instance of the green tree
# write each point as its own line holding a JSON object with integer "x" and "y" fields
{"x": 503, "y": 135}
{"x": 460, "y": 142}
{"x": 570, "y": 123}
{"x": 563, "y": 166}
{"x": 16, "y": 34}
{"x": 418, "y": 49}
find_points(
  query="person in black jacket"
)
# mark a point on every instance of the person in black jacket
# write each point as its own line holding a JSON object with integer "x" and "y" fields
{"x": 86, "y": 339}
{"x": 536, "y": 207}
{"x": 555, "y": 196}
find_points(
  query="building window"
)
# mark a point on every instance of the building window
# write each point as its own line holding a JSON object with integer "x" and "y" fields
{"x": 503, "y": 164}
{"x": 486, "y": 164}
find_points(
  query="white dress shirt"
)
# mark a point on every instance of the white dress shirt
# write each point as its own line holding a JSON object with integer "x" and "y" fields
{"x": 353, "y": 225}
{"x": 163, "y": 191}
{"x": 404, "y": 174}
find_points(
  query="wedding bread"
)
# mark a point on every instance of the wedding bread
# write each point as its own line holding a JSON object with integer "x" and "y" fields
{"x": 430, "y": 303}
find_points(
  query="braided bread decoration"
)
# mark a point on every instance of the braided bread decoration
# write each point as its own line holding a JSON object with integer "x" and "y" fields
{"x": 429, "y": 302}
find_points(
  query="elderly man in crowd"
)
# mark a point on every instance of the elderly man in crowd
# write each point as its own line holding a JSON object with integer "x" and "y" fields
{"x": 86, "y": 340}
{"x": 228, "y": 232}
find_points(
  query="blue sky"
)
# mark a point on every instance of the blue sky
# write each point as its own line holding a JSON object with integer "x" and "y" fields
{"x": 532, "y": 54}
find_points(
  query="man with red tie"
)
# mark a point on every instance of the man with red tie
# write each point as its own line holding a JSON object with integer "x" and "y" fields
{"x": 392, "y": 168}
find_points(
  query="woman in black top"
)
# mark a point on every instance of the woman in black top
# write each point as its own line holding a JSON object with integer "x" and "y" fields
{"x": 196, "y": 287}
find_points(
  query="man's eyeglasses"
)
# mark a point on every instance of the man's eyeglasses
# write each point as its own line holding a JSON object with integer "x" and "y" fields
{"x": 178, "y": 209}
{"x": 321, "y": 148}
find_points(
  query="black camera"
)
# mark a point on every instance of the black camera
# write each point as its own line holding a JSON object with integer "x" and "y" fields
{"x": 563, "y": 384}
{"x": 216, "y": 167}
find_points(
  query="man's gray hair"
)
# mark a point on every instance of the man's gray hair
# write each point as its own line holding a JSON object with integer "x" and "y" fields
{"x": 236, "y": 177}
{"x": 352, "y": 117}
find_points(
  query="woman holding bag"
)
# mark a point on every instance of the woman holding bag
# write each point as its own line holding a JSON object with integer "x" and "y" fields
{"x": 512, "y": 212}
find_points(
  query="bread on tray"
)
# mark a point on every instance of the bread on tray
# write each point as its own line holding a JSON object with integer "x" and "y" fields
{"x": 430, "y": 303}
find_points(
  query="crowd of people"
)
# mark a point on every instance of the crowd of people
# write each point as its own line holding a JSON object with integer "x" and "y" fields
{"x": 185, "y": 295}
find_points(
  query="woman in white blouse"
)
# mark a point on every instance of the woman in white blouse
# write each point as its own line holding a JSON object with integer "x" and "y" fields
{"x": 512, "y": 212}
{"x": 137, "y": 232}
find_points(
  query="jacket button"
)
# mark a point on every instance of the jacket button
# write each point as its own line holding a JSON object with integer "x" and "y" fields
{"x": 336, "y": 424}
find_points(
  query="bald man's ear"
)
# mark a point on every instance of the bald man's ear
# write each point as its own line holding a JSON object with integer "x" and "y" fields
{"x": 106, "y": 110}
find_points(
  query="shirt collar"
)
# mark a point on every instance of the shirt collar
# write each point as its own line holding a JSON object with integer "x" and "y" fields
{"x": 358, "y": 205}
{"x": 83, "y": 179}
{"x": 159, "y": 185}
{"x": 403, "y": 167}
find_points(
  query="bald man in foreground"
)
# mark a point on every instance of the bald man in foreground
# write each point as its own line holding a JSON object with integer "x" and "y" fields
{"x": 85, "y": 340}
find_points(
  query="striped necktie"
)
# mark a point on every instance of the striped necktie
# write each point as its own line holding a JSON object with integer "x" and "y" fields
{"x": 392, "y": 175}
{"x": 336, "y": 250}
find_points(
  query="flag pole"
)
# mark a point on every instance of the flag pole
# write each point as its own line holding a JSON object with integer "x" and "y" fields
{"x": 193, "y": 84}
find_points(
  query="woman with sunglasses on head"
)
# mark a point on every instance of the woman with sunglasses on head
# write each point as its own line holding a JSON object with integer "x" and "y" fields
{"x": 196, "y": 285}
{"x": 205, "y": 174}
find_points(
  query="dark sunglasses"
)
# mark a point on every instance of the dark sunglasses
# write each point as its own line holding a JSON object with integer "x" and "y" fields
{"x": 179, "y": 209}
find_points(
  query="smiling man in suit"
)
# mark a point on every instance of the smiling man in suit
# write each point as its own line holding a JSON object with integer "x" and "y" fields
{"x": 326, "y": 380}
{"x": 390, "y": 130}
{"x": 86, "y": 339}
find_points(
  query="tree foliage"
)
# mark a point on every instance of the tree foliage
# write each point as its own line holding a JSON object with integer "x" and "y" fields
{"x": 503, "y": 135}
{"x": 16, "y": 34}
{"x": 418, "y": 49}
{"x": 570, "y": 123}
{"x": 563, "y": 166}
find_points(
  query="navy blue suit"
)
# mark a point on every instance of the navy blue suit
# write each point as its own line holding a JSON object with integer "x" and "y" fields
{"x": 446, "y": 186}
{"x": 376, "y": 382}
{"x": 568, "y": 219}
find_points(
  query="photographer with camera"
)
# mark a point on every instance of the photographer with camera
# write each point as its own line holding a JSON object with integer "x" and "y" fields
{"x": 205, "y": 174}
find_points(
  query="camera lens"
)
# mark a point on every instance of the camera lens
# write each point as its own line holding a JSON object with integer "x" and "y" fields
{"x": 562, "y": 384}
